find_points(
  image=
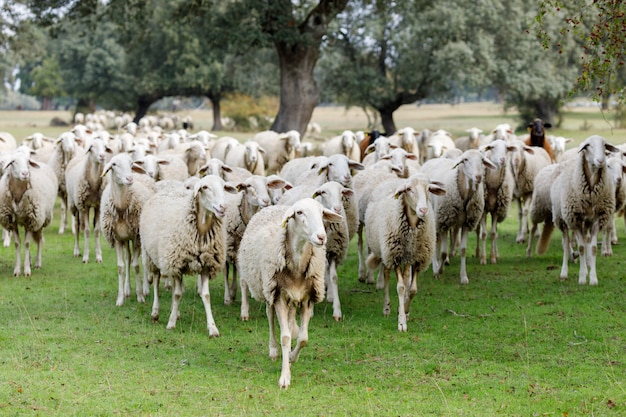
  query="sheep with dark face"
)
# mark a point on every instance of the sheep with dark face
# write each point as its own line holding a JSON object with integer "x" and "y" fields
{"x": 537, "y": 136}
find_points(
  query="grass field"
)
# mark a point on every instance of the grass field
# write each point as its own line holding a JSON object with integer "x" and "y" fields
{"x": 516, "y": 341}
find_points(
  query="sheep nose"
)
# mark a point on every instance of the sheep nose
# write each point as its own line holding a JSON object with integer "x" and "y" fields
{"x": 265, "y": 202}
{"x": 129, "y": 179}
{"x": 337, "y": 209}
{"x": 423, "y": 211}
{"x": 479, "y": 178}
{"x": 321, "y": 238}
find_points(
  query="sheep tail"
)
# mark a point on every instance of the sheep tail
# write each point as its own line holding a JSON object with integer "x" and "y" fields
{"x": 544, "y": 238}
{"x": 372, "y": 262}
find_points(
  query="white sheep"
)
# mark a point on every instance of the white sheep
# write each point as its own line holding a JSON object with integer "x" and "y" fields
{"x": 374, "y": 151}
{"x": 407, "y": 138}
{"x": 364, "y": 182}
{"x": 163, "y": 168}
{"x": 498, "y": 185}
{"x": 221, "y": 145}
{"x": 42, "y": 145}
{"x": 540, "y": 209}
{"x": 525, "y": 162}
{"x": 289, "y": 272}
{"x": 28, "y": 191}
{"x": 333, "y": 168}
{"x": 248, "y": 155}
{"x": 438, "y": 143}
{"x": 279, "y": 148}
{"x": 616, "y": 168}
{"x": 64, "y": 151}
{"x": 182, "y": 232}
{"x": 120, "y": 208}
{"x": 333, "y": 196}
{"x": 474, "y": 140}
{"x": 583, "y": 202}
{"x": 217, "y": 167}
{"x": 401, "y": 235}
{"x": 291, "y": 170}
{"x": 502, "y": 131}
{"x": 83, "y": 179}
{"x": 345, "y": 144}
{"x": 253, "y": 195}
{"x": 558, "y": 144}
{"x": 462, "y": 206}
{"x": 192, "y": 153}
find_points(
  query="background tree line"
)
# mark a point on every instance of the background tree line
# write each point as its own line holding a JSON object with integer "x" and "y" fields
{"x": 374, "y": 54}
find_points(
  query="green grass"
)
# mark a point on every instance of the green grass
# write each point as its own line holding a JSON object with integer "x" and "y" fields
{"x": 516, "y": 341}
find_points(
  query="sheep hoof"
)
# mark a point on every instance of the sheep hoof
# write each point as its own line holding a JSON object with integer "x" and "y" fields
{"x": 386, "y": 310}
{"x": 284, "y": 382}
{"x": 338, "y": 318}
{"x": 464, "y": 280}
{"x": 273, "y": 354}
{"x": 155, "y": 317}
{"x": 494, "y": 260}
{"x": 483, "y": 260}
{"x": 213, "y": 332}
{"x": 402, "y": 327}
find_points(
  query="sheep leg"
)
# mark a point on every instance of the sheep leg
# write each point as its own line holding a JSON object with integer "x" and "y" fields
{"x": 86, "y": 231}
{"x": 464, "y": 279}
{"x": 363, "y": 271}
{"x": 452, "y": 249}
{"x": 155, "y": 303}
{"x": 63, "y": 220}
{"x": 177, "y": 294}
{"x": 39, "y": 240}
{"x": 27, "y": 239}
{"x": 380, "y": 280}
{"x": 401, "y": 288}
{"x": 412, "y": 288}
{"x": 282, "y": 313}
{"x": 233, "y": 284}
{"x": 245, "y": 307}
{"x": 96, "y": 235}
{"x": 293, "y": 324}
{"x": 18, "y": 257}
{"x": 494, "y": 239}
{"x": 206, "y": 300}
{"x": 121, "y": 281}
{"x": 6, "y": 238}
{"x": 523, "y": 218}
{"x": 271, "y": 312}
{"x": 529, "y": 248}
{"x": 582, "y": 250}
{"x": 607, "y": 233}
{"x": 566, "y": 253}
{"x": 614, "y": 239}
{"x": 334, "y": 290}
{"x": 141, "y": 281}
{"x": 127, "y": 256}
{"x": 387, "y": 301}
{"x": 443, "y": 252}
{"x": 482, "y": 230}
{"x": 303, "y": 335}
{"x": 227, "y": 298}
{"x": 76, "y": 226}
{"x": 592, "y": 253}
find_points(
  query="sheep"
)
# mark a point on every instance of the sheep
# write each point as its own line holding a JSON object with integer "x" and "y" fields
{"x": 462, "y": 205}
{"x": 540, "y": 209}
{"x": 171, "y": 141}
{"x": 28, "y": 191}
{"x": 7, "y": 142}
{"x": 41, "y": 144}
{"x": 525, "y": 162}
{"x": 344, "y": 144}
{"x": 558, "y": 144}
{"x": 278, "y": 192}
{"x": 406, "y": 138}
{"x": 537, "y": 129}
{"x": 253, "y": 195}
{"x": 439, "y": 142}
{"x": 334, "y": 168}
{"x": 183, "y": 232}
{"x": 381, "y": 147}
{"x": 474, "y": 140}
{"x": 120, "y": 208}
{"x": 583, "y": 202}
{"x": 248, "y": 155}
{"x": 368, "y": 139}
{"x": 279, "y": 148}
{"x": 219, "y": 148}
{"x": 616, "y": 168}
{"x": 401, "y": 235}
{"x": 217, "y": 167}
{"x": 84, "y": 183}
{"x": 502, "y": 131}
{"x": 364, "y": 183}
{"x": 207, "y": 138}
{"x": 192, "y": 153}
{"x": 164, "y": 168}
{"x": 498, "y": 185}
{"x": 333, "y": 196}
{"x": 288, "y": 273}
{"x": 65, "y": 149}
{"x": 294, "y": 168}
{"x": 405, "y": 162}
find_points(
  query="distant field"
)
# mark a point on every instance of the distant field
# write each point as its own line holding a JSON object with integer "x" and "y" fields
{"x": 578, "y": 123}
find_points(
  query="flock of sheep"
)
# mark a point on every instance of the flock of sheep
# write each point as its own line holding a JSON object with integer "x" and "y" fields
{"x": 277, "y": 222}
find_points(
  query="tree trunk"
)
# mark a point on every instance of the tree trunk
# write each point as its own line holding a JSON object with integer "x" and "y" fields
{"x": 46, "y": 103}
{"x": 84, "y": 106}
{"x": 386, "y": 119}
{"x": 299, "y": 92}
{"x": 143, "y": 104}
{"x": 215, "y": 99}
{"x": 298, "y": 51}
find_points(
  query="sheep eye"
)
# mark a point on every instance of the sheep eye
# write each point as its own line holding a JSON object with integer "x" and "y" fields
{"x": 299, "y": 212}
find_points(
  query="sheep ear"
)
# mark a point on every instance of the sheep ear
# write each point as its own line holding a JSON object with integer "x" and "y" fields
{"x": 611, "y": 148}
{"x": 347, "y": 192}
{"x": 488, "y": 163}
{"x": 137, "y": 168}
{"x": 276, "y": 184}
{"x": 462, "y": 160}
{"x": 511, "y": 148}
{"x": 401, "y": 189}
{"x": 411, "y": 156}
{"x": 163, "y": 162}
{"x": 436, "y": 189}
{"x": 288, "y": 215}
{"x": 230, "y": 189}
{"x": 261, "y": 150}
{"x": 316, "y": 194}
{"x": 568, "y": 140}
{"x": 355, "y": 165}
{"x": 241, "y": 187}
{"x": 106, "y": 170}
{"x": 529, "y": 149}
{"x": 331, "y": 217}
{"x": 369, "y": 149}
{"x": 547, "y": 125}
